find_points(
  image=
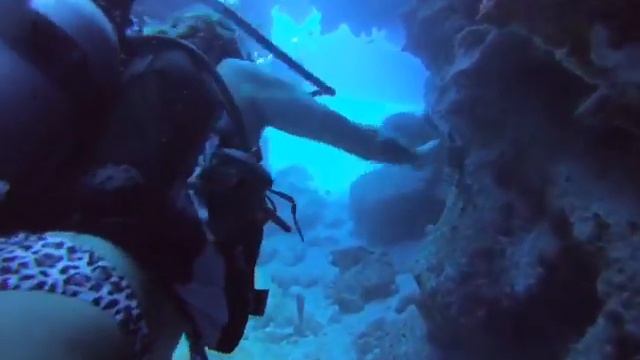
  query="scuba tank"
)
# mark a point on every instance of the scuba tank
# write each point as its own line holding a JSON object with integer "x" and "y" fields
{"x": 59, "y": 68}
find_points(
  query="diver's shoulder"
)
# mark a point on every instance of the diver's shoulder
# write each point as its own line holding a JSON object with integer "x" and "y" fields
{"x": 248, "y": 75}
{"x": 244, "y": 78}
{"x": 238, "y": 66}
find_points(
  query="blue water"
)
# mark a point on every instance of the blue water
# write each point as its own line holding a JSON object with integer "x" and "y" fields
{"x": 373, "y": 79}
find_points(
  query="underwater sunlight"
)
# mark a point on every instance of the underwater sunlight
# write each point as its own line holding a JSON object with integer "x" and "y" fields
{"x": 388, "y": 82}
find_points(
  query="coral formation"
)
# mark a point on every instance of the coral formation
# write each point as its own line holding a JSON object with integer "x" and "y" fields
{"x": 384, "y": 204}
{"x": 535, "y": 254}
{"x": 364, "y": 278}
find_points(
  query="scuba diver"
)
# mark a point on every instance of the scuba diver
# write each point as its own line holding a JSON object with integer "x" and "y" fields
{"x": 113, "y": 247}
{"x": 266, "y": 100}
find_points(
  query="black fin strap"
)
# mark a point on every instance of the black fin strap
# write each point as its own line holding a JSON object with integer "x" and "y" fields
{"x": 197, "y": 351}
{"x": 258, "y": 302}
{"x": 294, "y": 209}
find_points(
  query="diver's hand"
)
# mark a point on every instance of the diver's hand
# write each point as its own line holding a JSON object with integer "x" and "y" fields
{"x": 393, "y": 152}
{"x": 428, "y": 153}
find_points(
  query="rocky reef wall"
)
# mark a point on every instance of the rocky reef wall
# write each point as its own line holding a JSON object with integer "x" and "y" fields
{"x": 537, "y": 253}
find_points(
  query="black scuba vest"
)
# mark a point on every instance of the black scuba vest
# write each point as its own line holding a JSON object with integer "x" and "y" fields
{"x": 171, "y": 103}
{"x": 134, "y": 192}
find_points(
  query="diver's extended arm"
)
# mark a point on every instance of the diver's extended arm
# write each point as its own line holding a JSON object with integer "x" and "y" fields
{"x": 299, "y": 114}
{"x": 278, "y": 103}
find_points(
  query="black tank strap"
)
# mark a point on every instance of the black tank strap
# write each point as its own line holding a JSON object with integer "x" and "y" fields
{"x": 230, "y": 106}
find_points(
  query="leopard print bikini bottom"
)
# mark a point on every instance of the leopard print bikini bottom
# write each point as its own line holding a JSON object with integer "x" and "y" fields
{"x": 51, "y": 263}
